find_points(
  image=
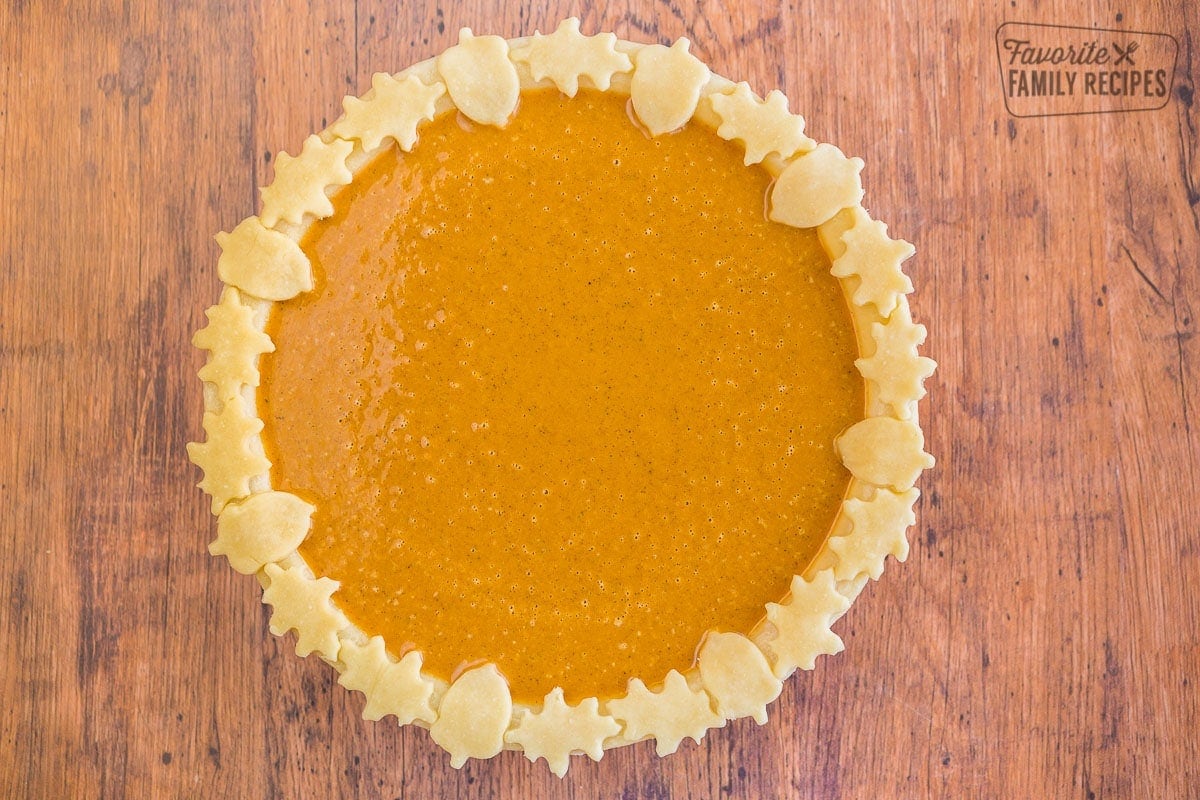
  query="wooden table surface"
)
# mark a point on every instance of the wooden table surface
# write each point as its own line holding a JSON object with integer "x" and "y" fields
{"x": 1041, "y": 641}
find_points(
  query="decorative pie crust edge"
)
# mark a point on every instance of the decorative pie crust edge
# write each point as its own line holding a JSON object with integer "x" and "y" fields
{"x": 815, "y": 185}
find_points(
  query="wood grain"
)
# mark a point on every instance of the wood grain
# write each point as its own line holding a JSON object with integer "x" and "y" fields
{"x": 1042, "y": 640}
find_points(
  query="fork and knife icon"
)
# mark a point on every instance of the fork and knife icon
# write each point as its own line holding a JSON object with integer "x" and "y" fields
{"x": 1125, "y": 54}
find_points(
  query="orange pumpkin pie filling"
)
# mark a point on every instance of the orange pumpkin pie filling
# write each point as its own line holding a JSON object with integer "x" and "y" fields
{"x": 556, "y": 383}
{"x": 561, "y": 396}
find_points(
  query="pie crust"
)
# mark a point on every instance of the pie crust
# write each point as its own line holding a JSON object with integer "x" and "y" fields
{"x": 815, "y": 186}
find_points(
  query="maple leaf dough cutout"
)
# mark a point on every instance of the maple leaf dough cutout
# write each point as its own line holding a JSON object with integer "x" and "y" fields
{"x": 394, "y": 112}
{"x": 264, "y": 527}
{"x": 670, "y": 715}
{"x": 482, "y": 82}
{"x": 234, "y": 344}
{"x": 666, "y": 86}
{"x": 815, "y": 186}
{"x": 391, "y": 687}
{"x": 263, "y": 262}
{"x": 475, "y": 712}
{"x": 300, "y": 181}
{"x": 878, "y": 529}
{"x": 884, "y": 451}
{"x": 559, "y": 729}
{"x": 736, "y": 673}
{"x": 303, "y": 604}
{"x": 875, "y": 259}
{"x": 566, "y": 55}
{"x": 802, "y": 624}
{"x": 895, "y": 368}
{"x": 228, "y": 456}
{"x": 764, "y": 127}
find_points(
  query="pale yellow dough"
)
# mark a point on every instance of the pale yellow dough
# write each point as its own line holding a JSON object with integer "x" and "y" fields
{"x": 392, "y": 687}
{"x": 560, "y": 729}
{"x": 763, "y": 126}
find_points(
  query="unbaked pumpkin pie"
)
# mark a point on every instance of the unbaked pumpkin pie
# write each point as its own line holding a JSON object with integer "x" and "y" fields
{"x": 561, "y": 396}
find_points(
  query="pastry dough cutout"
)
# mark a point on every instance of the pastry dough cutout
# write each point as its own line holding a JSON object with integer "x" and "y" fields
{"x": 232, "y": 454}
{"x": 763, "y": 126}
{"x": 234, "y": 344}
{"x": 801, "y": 624}
{"x": 560, "y": 729}
{"x": 303, "y": 604}
{"x": 815, "y": 186}
{"x": 263, "y": 262}
{"x": 884, "y": 451}
{"x": 895, "y": 369}
{"x": 394, "y": 111}
{"x": 567, "y": 55}
{"x": 481, "y": 80}
{"x": 475, "y": 712}
{"x": 300, "y": 181}
{"x": 264, "y": 527}
{"x": 737, "y": 675}
{"x": 875, "y": 260}
{"x": 879, "y": 528}
{"x": 391, "y": 687}
{"x": 674, "y": 713}
{"x": 666, "y": 86}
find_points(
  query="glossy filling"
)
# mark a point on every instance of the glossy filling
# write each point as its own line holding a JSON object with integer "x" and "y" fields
{"x": 564, "y": 399}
